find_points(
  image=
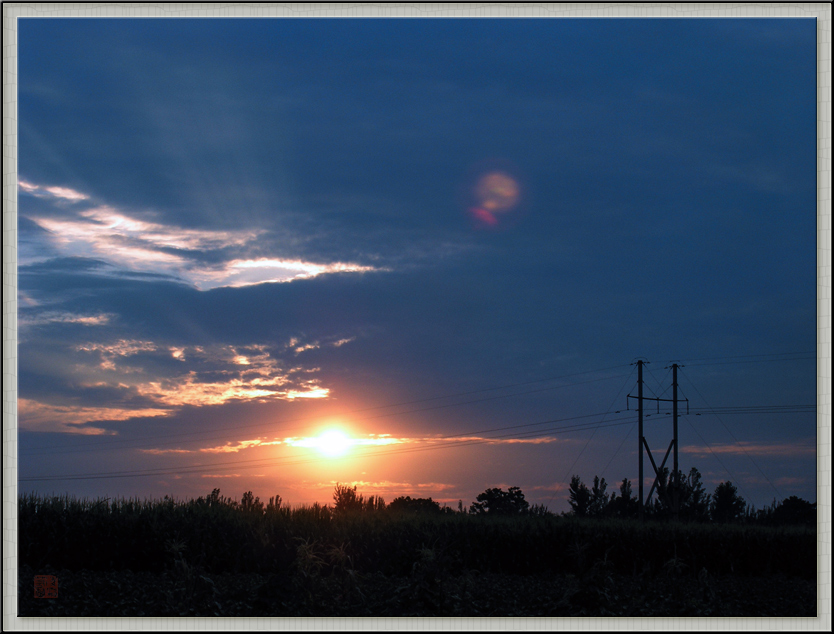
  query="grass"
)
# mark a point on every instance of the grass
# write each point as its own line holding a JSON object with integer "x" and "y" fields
{"x": 226, "y": 559}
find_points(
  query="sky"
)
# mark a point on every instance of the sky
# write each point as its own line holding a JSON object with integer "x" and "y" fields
{"x": 416, "y": 256}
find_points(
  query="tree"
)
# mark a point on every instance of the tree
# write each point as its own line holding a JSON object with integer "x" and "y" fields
{"x": 251, "y": 504}
{"x": 274, "y": 504}
{"x": 599, "y": 498}
{"x": 346, "y": 500}
{"x": 795, "y": 510}
{"x": 373, "y": 503}
{"x": 500, "y": 502}
{"x": 539, "y": 510}
{"x": 408, "y": 504}
{"x": 726, "y": 505}
{"x": 215, "y": 499}
{"x": 692, "y": 499}
{"x": 625, "y": 505}
{"x": 579, "y": 497}
{"x": 695, "y": 501}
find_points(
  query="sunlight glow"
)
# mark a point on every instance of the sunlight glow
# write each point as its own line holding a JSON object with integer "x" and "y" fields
{"x": 333, "y": 443}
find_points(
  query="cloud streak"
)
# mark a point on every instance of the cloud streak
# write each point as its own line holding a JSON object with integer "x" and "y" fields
{"x": 742, "y": 448}
{"x": 144, "y": 378}
{"x": 132, "y": 244}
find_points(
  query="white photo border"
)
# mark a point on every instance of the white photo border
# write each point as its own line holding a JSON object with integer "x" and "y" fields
{"x": 12, "y": 11}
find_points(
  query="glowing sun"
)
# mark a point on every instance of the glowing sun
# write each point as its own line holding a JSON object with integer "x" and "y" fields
{"x": 333, "y": 443}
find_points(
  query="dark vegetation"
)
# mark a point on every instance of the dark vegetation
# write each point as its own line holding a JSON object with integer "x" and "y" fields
{"x": 414, "y": 557}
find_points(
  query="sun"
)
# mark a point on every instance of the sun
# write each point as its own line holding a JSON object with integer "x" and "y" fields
{"x": 333, "y": 443}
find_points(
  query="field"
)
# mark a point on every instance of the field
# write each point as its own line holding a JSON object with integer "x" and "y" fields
{"x": 208, "y": 557}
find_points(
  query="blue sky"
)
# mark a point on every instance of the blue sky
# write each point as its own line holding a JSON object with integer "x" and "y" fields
{"x": 431, "y": 234}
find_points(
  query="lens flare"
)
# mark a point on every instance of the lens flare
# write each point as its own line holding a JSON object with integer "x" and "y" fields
{"x": 494, "y": 193}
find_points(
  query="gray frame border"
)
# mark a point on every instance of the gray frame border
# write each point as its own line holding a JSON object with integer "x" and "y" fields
{"x": 822, "y": 12}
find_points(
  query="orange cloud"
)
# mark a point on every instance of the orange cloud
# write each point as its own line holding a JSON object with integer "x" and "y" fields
{"x": 44, "y": 417}
{"x": 755, "y": 449}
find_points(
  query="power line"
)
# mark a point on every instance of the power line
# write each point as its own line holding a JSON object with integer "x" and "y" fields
{"x": 754, "y": 361}
{"x": 714, "y": 455}
{"x": 107, "y": 444}
{"x": 267, "y": 462}
{"x": 749, "y": 356}
{"x": 610, "y": 407}
{"x": 736, "y": 440}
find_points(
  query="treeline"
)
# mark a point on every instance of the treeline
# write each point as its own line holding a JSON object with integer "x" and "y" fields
{"x": 497, "y": 534}
{"x": 685, "y": 498}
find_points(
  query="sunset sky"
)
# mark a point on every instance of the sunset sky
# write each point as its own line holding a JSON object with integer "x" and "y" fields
{"x": 418, "y": 256}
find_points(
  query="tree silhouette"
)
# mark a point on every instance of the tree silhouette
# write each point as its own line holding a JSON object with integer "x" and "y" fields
{"x": 373, "y": 503}
{"x": 695, "y": 501}
{"x": 726, "y": 505}
{"x": 408, "y": 504}
{"x": 274, "y": 504}
{"x": 623, "y": 505}
{"x": 251, "y": 504}
{"x": 795, "y": 510}
{"x": 599, "y": 498}
{"x": 346, "y": 500}
{"x": 579, "y": 497}
{"x": 500, "y": 502}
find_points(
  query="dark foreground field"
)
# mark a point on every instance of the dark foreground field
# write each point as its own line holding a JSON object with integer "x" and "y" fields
{"x": 137, "y": 594}
{"x": 209, "y": 559}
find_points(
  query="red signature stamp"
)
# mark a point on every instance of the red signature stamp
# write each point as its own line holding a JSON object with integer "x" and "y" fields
{"x": 46, "y": 587}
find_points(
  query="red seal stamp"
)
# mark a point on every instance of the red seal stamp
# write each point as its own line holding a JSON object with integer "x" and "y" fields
{"x": 46, "y": 587}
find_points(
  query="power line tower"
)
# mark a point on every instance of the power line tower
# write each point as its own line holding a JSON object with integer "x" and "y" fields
{"x": 662, "y": 491}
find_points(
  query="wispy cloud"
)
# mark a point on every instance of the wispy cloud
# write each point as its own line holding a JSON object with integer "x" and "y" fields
{"x": 64, "y": 193}
{"x": 237, "y": 273}
{"x": 133, "y": 244}
{"x": 61, "y": 317}
{"x": 383, "y": 486}
{"x": 45, "y": 417}
{"x": 794, "y": 449}
{"x": 141, "y": 380}
{"x": 240, "y": 445}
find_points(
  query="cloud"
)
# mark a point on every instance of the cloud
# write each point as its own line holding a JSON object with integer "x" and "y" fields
{"x": 315, "y": 441}
{"x": 132, "y": 378}
{"x": 52, "y": 317}
{"x": 44, "y": 417}
{"x": 237, "y": 273}
{"x": 402, "y": 488}
{"x": 485, "y": 439}
{"x": 202, "y": 258}
{"x": 797, "y": 449}
{"x": 63, "y": 193}
{"x": 242, "y": 444}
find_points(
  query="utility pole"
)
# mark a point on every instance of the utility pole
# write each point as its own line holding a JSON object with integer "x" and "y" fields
{"x": 640, "y": 433}
{"x": 676, "y": 492}
{"x": 642, "y": 443}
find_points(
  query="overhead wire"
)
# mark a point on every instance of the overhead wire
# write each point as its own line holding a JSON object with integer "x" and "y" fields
{"x": 434, "y": 443}
{"x": 445, "y": 442}
{"x": 225, "y": 432}
{"x": 610, "y": 408}
{"x": 748, "y": 356}
{"x": 753, "y": 361}
{"x": 734, "y": 438}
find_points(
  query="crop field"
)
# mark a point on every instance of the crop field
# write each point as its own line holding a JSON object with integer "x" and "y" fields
{"x": 212, "y": 557}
